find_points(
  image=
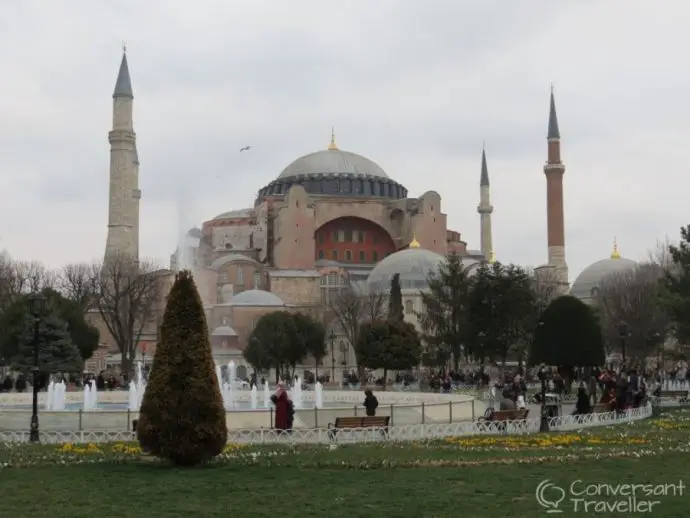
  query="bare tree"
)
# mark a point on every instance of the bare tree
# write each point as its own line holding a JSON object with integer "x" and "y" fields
{"x": 628, "y": 303}
{"x": 76, "y": 282}
{"x": 19, "y": 277}
{"x": 353, "y": 305}
{"x": 127, "y": 295}
{"x": 546, "y": 285}
{"x": 661, "y": 255}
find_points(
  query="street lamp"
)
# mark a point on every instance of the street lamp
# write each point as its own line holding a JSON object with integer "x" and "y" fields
{"x": 331, "y": 337}
{"x": 623, "y": 333}
{"x": 37, "y": 306}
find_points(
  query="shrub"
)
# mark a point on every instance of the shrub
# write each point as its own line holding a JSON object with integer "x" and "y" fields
{"x": 182, "y": 418}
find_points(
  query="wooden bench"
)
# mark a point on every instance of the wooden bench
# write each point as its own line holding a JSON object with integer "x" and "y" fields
{"x": 503, "y": 416}
{"x": 680, "y": 395}
{"x": 356, "y": 423}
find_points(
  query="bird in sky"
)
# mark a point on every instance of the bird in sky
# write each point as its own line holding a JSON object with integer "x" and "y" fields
{"x": 245, "y": 148}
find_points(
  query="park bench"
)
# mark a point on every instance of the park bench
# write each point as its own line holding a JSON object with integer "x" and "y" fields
{"x": 357, "y": 423}
{"x": 680, "y": 395}
{"x": 503, "y": 416}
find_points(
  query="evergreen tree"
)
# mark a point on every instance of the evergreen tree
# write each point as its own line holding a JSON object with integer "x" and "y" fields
{"x": 182, "y": 418}
{"x": 312, "y": 335}
{"x": 281, "y": 340}
{"x": 395, "y": 302}
{"x": 56, "y": 351}
{"x": 13, "y": 321}
{"x": 389, "y": 346}
{"x": 568, "y": 336}
{"x": 443, "y": 318}
{"x": 502, "y": 304}
{"x": 675, "y": 295}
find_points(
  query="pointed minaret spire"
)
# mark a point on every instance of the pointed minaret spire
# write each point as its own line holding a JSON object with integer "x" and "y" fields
{"x": 554, "y": 171}
{"x": 485, "y": 209}
{"x": 553, "y": 133}
{"x": 123, "y": 84}
{"x": 484, "y": 180}
{"x": 123, "y": 215}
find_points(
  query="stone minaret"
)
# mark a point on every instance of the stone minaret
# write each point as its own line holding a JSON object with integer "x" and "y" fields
{"x": 123, "y": 212}
{"x": 554, "y": 170}
{"x": 485, "y": 209}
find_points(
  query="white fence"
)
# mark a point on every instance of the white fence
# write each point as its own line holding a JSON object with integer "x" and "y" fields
{"x": 400, "y": 433}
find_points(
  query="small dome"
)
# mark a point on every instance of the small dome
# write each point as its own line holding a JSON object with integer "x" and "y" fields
{"x": 236, "y": 214}
{"x": 413, "y": 265}
{"x": 256, "y": 298}
{"x": 224, "y": 331}
{"x": 333, "y": 161}
{"x": 591, "y": 277}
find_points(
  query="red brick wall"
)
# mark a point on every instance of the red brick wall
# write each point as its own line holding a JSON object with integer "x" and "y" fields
{"x": 365, "y": 241}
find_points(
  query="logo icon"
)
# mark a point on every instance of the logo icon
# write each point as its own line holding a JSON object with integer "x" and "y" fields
{"x": 549, "y": 496}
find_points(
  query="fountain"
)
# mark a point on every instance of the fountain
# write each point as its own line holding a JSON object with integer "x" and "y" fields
{"x": 255, "y": 398}
{"x": 267, "y": 396}
{"x": 318, "y": 395}
{"x": 90, "y": 396}
{"x": 133, "y": 397}
{"x": 297, "y": 393}
{"x": 50, "y": 396}
{"x": 58, "y": 402}
{"x": 232, "y": 381}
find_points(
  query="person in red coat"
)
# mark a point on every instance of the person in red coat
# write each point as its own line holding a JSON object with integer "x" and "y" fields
{"x": 283, "y": 408}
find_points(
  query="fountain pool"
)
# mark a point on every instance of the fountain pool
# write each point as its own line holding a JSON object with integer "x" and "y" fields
{"x": 124, "y": 407}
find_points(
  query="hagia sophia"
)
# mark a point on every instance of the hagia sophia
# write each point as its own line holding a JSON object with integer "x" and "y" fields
{"x": 328, "y": 218}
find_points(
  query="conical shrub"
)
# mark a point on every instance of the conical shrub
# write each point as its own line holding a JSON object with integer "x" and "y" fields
{"x": 182, "y": 418}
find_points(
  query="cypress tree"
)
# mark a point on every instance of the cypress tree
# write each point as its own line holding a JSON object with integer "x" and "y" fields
{"x": 395, "y": 302}
{"x": 182, "y": 418}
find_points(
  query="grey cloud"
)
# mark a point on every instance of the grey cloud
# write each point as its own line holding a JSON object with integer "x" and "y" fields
{"x": 414, "y": 86}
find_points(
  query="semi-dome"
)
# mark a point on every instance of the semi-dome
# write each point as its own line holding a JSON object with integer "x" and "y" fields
{"x": 333, "y": 161}
{"x": 413, "y": 264}
{"x": 256, "y": 298}
{"x": 590, "y": 278}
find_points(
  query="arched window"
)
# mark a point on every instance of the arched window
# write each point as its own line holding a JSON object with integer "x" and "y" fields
{"x": 257, "y": 280}
{"x": 240, "y": 275}
{"x": 348, "y": 255}
{"x": 334, "y": 255}
{"x": 375, "y": 256}
{"x": 409, "y": 307}
{"x": 322, "y": 255}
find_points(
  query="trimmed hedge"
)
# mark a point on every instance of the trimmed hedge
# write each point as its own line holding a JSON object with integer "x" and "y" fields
{"x": 182, "y": 418}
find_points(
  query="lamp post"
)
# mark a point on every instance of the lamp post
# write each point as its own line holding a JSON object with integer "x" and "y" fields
{"x": 37, "y": 306}
{"x": 331, "y": 337}
{"x": 623, "y": 333}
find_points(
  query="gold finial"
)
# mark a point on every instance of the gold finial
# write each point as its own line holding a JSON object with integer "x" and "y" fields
{"x": 414, "y": 243}
{"x": 492, "y": 257}
{"x": 332, "y": 146}
{"x": 615, "y": 254}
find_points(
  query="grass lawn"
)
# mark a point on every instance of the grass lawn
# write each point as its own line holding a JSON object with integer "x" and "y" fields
{"x": 478, "y": 477}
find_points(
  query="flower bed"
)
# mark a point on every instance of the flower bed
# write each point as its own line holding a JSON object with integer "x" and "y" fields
{"x": 668, "y": 433}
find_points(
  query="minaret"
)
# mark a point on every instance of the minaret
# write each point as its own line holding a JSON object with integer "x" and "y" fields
{"x": 485, "y": 209}
{"x": 124, "y": 194}
{"x": 554, "y": 170}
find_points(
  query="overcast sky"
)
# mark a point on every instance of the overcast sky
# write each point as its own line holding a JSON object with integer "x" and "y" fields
{"x": 414, "y": 85}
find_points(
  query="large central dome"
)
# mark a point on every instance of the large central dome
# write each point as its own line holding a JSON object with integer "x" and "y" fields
{"x": 333, "y": 161}
{"x": 334, "y": 172}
